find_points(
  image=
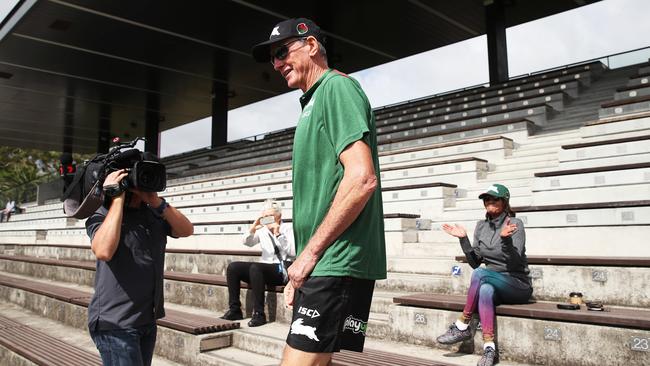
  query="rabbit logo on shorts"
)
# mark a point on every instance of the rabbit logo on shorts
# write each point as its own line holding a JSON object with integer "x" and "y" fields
{"x": 298, "y": 328}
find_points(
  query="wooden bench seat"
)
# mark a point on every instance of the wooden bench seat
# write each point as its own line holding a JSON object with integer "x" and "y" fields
{"x": 632, "y": 87}
{"x": 598, "y": 169}
{"x": 615, "y": 317}
{"x": 174, "y": 319}
{"x": 616, "y": 103}
{"x": 582, "y": 261}
{"x": 605, "y": 142}
{"x": 68, "y": 296}
{"x": 41, "y": 348}
{"x": 583, "y": 206}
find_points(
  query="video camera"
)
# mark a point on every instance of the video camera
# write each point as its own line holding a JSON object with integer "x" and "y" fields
{"x": 86, "y": 194}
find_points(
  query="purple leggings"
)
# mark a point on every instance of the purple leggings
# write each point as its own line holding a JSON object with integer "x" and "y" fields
{"x": 487, "y": 290}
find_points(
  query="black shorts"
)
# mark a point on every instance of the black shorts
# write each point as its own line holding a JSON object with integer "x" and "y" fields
{"x": 330, "y": 314}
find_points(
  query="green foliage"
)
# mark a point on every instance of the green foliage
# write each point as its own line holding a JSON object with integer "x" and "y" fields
{"x": 22, "y": 170}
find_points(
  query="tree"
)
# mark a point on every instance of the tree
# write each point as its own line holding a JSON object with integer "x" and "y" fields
{"x": 22, "y": 170}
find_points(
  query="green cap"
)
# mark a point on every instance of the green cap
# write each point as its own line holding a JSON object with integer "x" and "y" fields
{"x": 496, "y": 190}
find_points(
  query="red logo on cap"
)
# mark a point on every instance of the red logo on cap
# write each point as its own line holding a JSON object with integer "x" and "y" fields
{"x": 302, "y": 28}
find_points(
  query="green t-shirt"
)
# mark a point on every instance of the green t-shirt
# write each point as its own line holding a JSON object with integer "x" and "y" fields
{"x": 336, "y": 113}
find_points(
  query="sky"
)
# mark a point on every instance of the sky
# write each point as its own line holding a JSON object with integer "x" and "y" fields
{"x": 588, "y": 32}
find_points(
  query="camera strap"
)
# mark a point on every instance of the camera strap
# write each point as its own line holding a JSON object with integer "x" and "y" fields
{"x": 276, "y": 249}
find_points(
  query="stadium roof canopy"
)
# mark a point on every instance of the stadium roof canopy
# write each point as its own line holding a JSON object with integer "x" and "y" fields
{"x": 74, "y": 73}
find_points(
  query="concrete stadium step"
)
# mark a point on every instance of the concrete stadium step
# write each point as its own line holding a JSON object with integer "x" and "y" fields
{"x": 588, "y": 217}
{"x": 549, "y": 342}
{"x": 570, "y": 240}
{"x": 44, "y": 207}
{"x": 421, "y": 265}
{"x": 520, "y": 197}
{"x": 535, "y": 156}
{"x": 516, "y": 165}
{"x": 514, "y": 184}
{"x": 269, "y": 340}
{"x": 411, "y": 282}
{"x": 243, "y": 179}
{"x": 598, "y": 176}
{"x": 450, "y": 248}
{"x": 549, "y": 139}
{"x": 490, "y": 148}
{"x": 456, "y": 171}
{"x": 584, "y": 155}
{"x": 173, "y": 345}
{"x": 502, "y": 176}
{"x": 78, "y": 337}
{"x": 604, "y": 161}
{"x": 512, "y": 129}
{"x": 232, "y": 356}
{"x": 631, "y": 192}
{"x": 617, "y": 127}
{"x": 42, "y": 224}
{"x": 45, "y": 214}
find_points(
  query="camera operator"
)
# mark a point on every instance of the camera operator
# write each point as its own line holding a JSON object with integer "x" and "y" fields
{"x": 128, "y": 236}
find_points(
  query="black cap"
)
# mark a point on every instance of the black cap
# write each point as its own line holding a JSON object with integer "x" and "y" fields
{"x": 298, "y": 27}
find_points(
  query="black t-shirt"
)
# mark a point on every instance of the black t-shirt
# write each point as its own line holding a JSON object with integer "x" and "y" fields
{"x": 129, "y": 287}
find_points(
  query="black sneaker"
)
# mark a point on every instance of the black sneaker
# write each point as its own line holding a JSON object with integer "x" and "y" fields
{"x": 490, "y": 357}
{"x": 233, "y": 315}
{"x": 455, "y": 335}
{"x": 257, "y": 320}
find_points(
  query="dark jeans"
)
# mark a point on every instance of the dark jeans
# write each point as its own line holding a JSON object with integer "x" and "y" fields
{"x": 126, "y": 347}
{"x": 257, "y": 275}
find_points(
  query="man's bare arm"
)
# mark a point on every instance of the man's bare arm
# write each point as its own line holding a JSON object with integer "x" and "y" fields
{"x": 107, "y": 236}
{"x": 357, "y": 186}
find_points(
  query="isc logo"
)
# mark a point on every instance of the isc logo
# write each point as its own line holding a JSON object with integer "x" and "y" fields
{"x": 312, "y": 313}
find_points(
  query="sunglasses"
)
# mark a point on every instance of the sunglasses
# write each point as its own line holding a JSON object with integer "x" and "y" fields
{"x": 282, "y": 52}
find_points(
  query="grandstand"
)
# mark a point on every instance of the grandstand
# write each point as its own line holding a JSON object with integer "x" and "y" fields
{"x": 572, "y": 144}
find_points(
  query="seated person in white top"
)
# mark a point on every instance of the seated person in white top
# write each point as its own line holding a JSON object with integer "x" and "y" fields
{"x": 276, "y": 241}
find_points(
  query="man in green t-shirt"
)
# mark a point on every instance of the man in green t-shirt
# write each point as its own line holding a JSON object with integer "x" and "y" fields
{"x": 337, "y": 207}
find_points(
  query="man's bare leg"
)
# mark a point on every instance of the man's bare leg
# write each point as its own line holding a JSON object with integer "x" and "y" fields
{"x": 294, "y": 357}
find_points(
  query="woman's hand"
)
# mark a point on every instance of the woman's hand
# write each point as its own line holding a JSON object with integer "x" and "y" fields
{"x": 455, "y": 230}
{"x": 274, "y": 228}
{"x": 508, "y": 229}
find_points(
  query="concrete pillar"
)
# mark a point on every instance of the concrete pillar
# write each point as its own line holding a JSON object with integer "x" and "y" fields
{"x": 104, "y": 128}
{"x": 68, "y": 120}
{"x": 152, "y": 124}
{"x": 152, "y": 114}
{"x": 495, "y": 27}
{"x": 219, "y": 114}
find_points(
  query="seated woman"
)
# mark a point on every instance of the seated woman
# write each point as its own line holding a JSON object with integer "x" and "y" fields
{"x": 500, "y": 243}
{"x": 276, "y": 241}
